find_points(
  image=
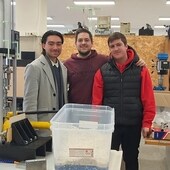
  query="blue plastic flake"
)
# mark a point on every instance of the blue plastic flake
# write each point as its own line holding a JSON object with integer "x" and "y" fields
{"x": 78, "y": 167}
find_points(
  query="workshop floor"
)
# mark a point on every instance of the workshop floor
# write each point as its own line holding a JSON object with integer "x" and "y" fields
{"x": 151, "y": 157}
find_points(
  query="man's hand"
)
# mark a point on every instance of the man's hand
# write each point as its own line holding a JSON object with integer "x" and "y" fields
{"x": 141, "y": 63}
{"x": 146, "y": 132}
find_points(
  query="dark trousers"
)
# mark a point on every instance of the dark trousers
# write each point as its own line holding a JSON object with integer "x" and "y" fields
{"x": 129, "y": 139}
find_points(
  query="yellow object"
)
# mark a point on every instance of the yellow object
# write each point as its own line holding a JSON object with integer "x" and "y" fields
{"x": 7, "y": 124}
{"x": 38, "y": 125}
{"x": 41, "y": 125}
{"x": 7, "y": 130}
{"x": 9, "y": 114}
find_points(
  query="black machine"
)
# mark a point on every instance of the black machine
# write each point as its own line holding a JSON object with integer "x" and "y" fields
{"x": 162, "y": 69}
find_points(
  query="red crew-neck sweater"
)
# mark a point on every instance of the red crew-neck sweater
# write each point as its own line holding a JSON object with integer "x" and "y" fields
{"x": 81, "y": 73}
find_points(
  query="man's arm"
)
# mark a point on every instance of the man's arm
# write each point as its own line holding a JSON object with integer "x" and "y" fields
{"x": 148, "y": 101}
{"x": 97, "y": 92}
{"x": 30, "y": 88}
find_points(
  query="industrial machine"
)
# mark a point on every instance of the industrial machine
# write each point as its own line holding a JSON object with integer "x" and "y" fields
{"x": 163, "y": 65}
{"x": 17, "y": 135}
{"x": 103, "y": 25}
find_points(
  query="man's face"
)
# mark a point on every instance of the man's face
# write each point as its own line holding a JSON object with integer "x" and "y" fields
{"x": 83, "y": 44}
{"x": 53, "y": 46}
{"x": 118, "y": 49}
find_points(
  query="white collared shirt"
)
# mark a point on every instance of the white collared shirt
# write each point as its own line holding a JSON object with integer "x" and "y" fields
{"x": 54, "y": 64}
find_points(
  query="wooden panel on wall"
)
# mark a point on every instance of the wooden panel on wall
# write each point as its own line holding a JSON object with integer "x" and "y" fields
{"x": 147, "y": 48}
{"x": 68, "y": 47}
{"x": 100, "y": 44}
{"x": 167, "y": 49}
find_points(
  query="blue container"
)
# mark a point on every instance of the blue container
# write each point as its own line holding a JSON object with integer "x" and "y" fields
{"x": 159, "y": 135}
{"x": 162, "y": 56}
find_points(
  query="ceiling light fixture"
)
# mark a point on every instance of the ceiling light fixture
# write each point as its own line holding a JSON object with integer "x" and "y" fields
{"x": 92, "y": 18}
{"x": 159, "y": 26}
{"x": 13, "y": 3}
{"x": 164, "y": 19}
{"x": 115, "y": 18}
{"x": 112, "y": 18}
{"x": 111, "y": 2}
{"x": 115, "y": 26}
{"x": 49, "y": 18}
{"x": 112, "y": 26}
{"x": 168, "y": 2}
{"x": 55, "y": 26}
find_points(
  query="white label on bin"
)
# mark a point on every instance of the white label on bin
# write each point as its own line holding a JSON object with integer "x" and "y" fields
{"x": 88, "y": 124}
{"x": 80, "y": 152}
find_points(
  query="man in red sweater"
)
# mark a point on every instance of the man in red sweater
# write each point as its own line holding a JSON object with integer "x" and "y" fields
{"x": 122, "y": 85}
{"x": 82, "y": 67}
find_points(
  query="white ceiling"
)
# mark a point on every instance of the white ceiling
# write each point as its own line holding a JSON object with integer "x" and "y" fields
{"x": 137, "y": 12}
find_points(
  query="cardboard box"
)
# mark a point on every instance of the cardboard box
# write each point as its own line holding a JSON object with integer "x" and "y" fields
{"x": 162, "y": 98}
{"x": 125, "y": 28}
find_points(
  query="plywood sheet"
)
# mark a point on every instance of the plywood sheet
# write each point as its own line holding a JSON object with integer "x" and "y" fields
{"x": 147, "y": 48}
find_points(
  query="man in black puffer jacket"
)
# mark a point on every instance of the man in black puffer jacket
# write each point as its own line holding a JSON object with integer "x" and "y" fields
{"x": 122, "y": 85}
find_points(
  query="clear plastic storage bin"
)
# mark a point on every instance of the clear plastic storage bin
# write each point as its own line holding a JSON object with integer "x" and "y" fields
{"x": 82, "y": 137}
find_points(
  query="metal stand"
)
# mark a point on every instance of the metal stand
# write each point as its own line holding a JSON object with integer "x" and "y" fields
{"x": 5, "y": 76}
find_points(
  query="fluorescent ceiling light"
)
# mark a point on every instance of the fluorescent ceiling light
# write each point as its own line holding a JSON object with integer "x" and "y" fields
{"x": 167, "y": 2}
{"x": 92, "y": 18}
{"x": 159, "y": 26}
{"x": 55, "y": 26}
{"x": 13, "y": 3}
{"x": 95, "y": 18}
{"x": 49, "y": 18}
{"x": 164, "y": 19}
{"x": 94, "y": 2}
{"x": 115, "y": 26}
{"x": 115, "y": 18}
{"x": 112, "y": 26}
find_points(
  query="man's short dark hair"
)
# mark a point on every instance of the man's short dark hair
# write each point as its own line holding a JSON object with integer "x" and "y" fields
{"x": 51, "y": 32}
{"x": 117, "y": 36}
{"x": 82, "y": 30}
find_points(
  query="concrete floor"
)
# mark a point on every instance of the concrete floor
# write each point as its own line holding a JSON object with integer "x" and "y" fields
{"x": 151, "y": 157}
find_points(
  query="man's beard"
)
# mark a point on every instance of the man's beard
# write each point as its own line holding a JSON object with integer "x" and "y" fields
{"x": 84, "y": 54}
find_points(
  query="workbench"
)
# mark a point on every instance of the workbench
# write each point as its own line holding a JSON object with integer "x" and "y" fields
{"x": 157, "y": 142}
{"x": 162, "y": 99}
